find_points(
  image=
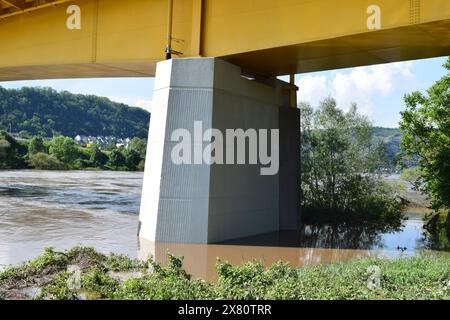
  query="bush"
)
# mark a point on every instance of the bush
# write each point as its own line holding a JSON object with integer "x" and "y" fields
{"x": 141, "y": 166}
{"x": 116, "y": 159}
{"x": 96, "y": 282}
{"x": 132, "y": 159}
{"x": 57, "y": 289}
{"x": 12, "y": 152}
{"x": 98, "y": 158}
{"x": 36, "y": 145}
{"x": 118, "y": 262}
{"x": 164, "y": 283}
{"x": 49, "y": 258}
{"x": 43, "y": 161}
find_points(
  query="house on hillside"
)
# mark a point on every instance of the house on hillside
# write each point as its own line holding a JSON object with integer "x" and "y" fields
{"x": 81, "y": 140}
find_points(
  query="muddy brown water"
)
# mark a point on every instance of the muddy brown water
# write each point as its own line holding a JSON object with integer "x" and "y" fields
{"x": 100, "y": 209}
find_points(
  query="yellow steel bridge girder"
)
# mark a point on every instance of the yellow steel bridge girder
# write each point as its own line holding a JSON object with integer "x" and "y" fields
{"x": 270, "y": 37}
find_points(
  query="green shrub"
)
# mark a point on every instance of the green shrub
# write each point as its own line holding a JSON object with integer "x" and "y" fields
{"x": 49, "y": 258}
{"x": 96, "y": 282}
{"x": 57, "y": 289}
{"x": 13, "y": 274}
{"x": 43, "y": 161}
{"x": 118, "y": 262}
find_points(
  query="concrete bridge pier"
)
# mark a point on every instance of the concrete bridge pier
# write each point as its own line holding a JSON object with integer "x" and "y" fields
{"x": 207, "y": 203}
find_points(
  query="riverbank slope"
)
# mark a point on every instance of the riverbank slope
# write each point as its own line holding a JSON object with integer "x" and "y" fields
{"x": 83, "y": 273}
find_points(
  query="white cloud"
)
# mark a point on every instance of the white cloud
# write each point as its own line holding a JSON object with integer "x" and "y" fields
{"x": 362, "y": 85}
{"x": 313, "y": 89}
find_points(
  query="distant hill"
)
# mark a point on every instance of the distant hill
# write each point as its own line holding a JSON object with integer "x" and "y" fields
{"x": 386, "y": 132}
{"x": 391, "y": 138}
{"x": 45, "y": 112}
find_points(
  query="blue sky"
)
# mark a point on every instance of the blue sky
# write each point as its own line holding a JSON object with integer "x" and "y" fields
{"x": 378, "y": 90}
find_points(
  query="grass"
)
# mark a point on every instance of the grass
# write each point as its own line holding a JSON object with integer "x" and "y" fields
{"x": 413, "y": 278}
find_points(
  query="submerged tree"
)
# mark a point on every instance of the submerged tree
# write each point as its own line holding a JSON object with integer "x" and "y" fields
{"x": 340, "y": 162}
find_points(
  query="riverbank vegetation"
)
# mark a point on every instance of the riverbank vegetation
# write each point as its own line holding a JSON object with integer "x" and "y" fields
{"x": 62, "y": 153}
{"x": 341, "y": 169}
{"x": 83, "y": 273}
{"x": 425, "y": 125}
{"x": 437, "y": 226}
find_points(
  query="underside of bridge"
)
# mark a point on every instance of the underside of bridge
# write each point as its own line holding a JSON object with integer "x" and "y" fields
{"x": 271, "y": 38}
{"x": 217, "y": 41}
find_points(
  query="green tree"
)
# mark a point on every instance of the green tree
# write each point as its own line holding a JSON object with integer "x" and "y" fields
{"x": 141, "y": 165}
{"x": 116, "y": 159}
{"x": 139, "y": 145}
{"x": 132, "y": 159}
{"x": 64, "y": 149}
{"x": 98, "y": 158}
{"x": 340, "y": 161}
{"x": 24, "y": 134}
{"x": 43, "y": 161}
{"x": 45, "y": 112}
{"x": 36, "y": 145}
{"x": 12, "y": 153}
{"x": 426, "y": 133}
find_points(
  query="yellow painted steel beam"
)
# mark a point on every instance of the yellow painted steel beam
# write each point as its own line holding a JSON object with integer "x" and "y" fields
{"x": 266, "y": 37}
{"x": 16, "y": 7}
{"x": 117, "y": 38}
{"x": 19, "y": 4}
{"x": 196, "y": 35}
{"x": 288, "y": 36}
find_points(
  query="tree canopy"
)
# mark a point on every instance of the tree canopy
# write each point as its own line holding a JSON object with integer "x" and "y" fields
{"x": 426, "y": 133}
{"x": 340, "y": 162}
{"x": 46, "y": 112}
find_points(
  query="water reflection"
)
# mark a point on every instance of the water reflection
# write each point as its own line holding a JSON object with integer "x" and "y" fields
{"x": 347, "y": 236}
{"x": 200, "y": 260}
{"x": 342, "y": 236}
{"x": 338, "y": 236}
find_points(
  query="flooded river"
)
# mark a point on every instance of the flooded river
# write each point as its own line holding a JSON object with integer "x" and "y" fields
{"x": 100, "y": 209}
